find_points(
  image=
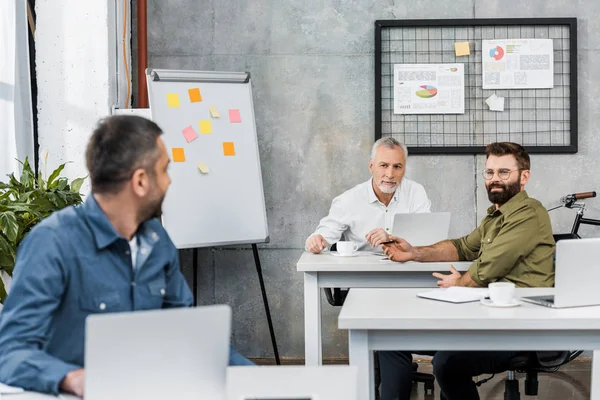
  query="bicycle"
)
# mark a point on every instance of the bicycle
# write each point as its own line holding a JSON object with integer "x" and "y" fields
{"x": 570, "y": 201}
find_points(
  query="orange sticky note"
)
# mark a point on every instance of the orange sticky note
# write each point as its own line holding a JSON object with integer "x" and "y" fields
{"x": 228, "y": 149}
{"x": 178, "y": 154}
{"x": 172, "y": 100}
{"x": 189, "y": 134}
{"x": 205, "y": 127}
{"x": 462, "y": 49}
{"x": 195, "y": 95}
{"x": 234, "y": 116}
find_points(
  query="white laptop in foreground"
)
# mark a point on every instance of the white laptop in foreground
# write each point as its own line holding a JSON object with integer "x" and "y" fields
{"x": 421, "y": 229}
{"x": 577, "y": 263}
{"x": 292, "y": 383}
{"x": 161, "y": 354}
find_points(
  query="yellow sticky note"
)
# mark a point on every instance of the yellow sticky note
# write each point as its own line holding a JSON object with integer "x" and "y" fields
{"x": 214, "y": 112}
{"x": 205, "y": 126}
{"x": 195, "y": 95}
{"x": 172, "y": 100}
{"x": 202, "y": 167}
{"x": 228, "y": 149}
{"x": 178, "y": 154}
{"x": 462, "y": 49}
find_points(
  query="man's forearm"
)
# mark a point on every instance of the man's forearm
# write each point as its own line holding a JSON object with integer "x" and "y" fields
{"x": 441, "y": 251}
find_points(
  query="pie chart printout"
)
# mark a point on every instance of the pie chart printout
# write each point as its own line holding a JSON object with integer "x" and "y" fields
{"x": 497, "y": 53}
{"x": 427, "y": 91}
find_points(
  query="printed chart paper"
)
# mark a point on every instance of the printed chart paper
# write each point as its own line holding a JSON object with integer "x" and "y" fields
{"x": 429, "y": 89}
{"x": 518, "y": 64}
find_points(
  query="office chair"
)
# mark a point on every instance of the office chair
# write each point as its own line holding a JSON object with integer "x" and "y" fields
{"x": 533, "y": 362}
{"x": 336, "y": 297}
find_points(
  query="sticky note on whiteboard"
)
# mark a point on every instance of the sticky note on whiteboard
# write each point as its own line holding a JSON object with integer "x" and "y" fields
{"x": 195, "y": 95}
{"x": 462, "y": 49}
{"x": 214, "y": 112}
{"x": 234, "y": 116}
{"x": 178, "y": 154}
{"x": 228, "y": 149}
{"x": 205, "y": 127}
{"x": 202, "y": 168}
{"x": 172, "y": 100}
{"x": 189, "y": 134}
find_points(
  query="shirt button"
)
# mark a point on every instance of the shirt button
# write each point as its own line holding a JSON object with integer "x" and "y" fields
{"x": 143, "y": 251}
{"x": 102, "y": 306}
{"x": 387, "y": 229}
{"x": 489, "y": 240}
{"x": 127, "y": 252}
{"x": 133, "y": 284}
{"x": 162, "y": 292}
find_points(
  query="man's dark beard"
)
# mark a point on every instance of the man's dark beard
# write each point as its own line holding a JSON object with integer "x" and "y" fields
{"x": 508, "y": 193}
{"x": 151, "y": 210}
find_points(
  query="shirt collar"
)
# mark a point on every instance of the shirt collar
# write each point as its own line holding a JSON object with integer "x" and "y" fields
{"x": 511, "y": 204}
{"x": 103, "y": 231}
{"x": 373, "y": 197}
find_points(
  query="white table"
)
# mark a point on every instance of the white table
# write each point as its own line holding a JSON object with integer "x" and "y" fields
{"x": 38, "y": 396}
{"x": 376, "y": 322}
{"x": 363, "y": 271}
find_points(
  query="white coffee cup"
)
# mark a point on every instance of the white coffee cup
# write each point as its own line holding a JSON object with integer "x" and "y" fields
{"x": 502, "y": 292}
{"x": 346, "y": 248}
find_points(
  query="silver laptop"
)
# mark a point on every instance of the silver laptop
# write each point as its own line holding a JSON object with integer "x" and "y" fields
{"x": 161, "y": 354}
{"x": 577, "y": 262}
{"x": 421, "y": 229}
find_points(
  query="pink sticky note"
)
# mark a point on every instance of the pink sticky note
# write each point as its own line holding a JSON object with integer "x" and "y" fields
{"x": 234, "y": 116}
{"x": 189, "y": 134}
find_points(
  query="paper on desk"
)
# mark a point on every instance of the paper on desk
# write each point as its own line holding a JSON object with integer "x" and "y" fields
{"x": 495, "y": 103}
{"x": 456, "y": 294}
{"x": 5, "y": 389}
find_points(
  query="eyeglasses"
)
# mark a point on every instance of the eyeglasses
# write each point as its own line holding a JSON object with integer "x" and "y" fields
{"x": 503, "y": 173}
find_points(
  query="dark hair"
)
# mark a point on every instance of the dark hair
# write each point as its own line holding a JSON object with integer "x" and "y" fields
{"x": 119, "y": 145}
{"x": 509, "y": 148}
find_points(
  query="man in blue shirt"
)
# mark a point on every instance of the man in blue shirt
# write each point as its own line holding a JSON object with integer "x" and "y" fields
{"x": 108, "y": 255}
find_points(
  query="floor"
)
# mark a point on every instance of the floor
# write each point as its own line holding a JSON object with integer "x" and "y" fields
{"x": 571, "y": 382}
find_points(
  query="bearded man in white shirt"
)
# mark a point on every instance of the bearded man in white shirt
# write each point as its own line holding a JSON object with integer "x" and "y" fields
{"x": 364, "y": 214}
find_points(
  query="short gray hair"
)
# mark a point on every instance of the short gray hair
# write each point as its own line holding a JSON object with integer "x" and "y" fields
{"x": 390, "y": 143}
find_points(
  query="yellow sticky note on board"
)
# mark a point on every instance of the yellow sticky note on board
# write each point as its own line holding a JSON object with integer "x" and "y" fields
{"x": 214, "y": 112}
{"x": 462, "y": 49}
{"x": 203, "y": 168}
{"x": 172, "y": 100}
{"x": 178, "y": 154}
{"x": 205, "y": 127}
{"x": 228, "y": 149}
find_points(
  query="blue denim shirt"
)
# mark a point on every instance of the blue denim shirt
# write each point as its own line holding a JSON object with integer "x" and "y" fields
{"x": 69, "y": 266}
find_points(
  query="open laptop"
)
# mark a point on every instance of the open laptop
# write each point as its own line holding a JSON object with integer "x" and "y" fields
{"x": 161, "y": 354}
{"x": 577, "y": 260}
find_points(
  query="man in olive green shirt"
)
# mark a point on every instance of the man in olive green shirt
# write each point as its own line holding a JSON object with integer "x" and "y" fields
{"x": 513, "y": 243}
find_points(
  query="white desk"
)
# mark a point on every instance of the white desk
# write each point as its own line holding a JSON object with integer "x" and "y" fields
{"x": 38, "y": 396}
{"x": 376, "y": 322}
{"x": 363, "y": 271}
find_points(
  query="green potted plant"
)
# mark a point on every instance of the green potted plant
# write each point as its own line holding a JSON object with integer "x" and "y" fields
{"x": 26, "y": 201}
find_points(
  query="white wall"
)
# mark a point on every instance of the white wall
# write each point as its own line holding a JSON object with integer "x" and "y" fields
{"x": 75, "y": 59}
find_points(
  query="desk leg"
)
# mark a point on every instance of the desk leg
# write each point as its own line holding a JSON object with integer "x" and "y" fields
{"x": 312, "y": 320}
{"x": 362, "y": 357}
{"x": 595, "y": 384}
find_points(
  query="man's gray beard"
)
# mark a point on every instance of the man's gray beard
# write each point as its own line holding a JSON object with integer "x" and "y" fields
{"x": 387, "y": 190}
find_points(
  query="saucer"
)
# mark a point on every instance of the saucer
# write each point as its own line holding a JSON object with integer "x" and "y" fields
{"x": 490, "y": 303}
{"x": 336, "y": 254}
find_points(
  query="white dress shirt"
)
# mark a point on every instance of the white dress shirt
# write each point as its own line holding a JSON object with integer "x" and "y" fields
{"x": 357, "y": 211}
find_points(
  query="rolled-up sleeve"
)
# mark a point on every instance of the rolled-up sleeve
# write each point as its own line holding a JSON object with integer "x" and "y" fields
{"x": 515, "y": 240}
{"x": 38, "y": 285}
{"x": 468, "y": 246}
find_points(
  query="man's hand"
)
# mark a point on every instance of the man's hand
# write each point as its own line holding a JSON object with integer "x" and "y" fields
{"x": 316, "y": 244}
{"x": 446, "y": 281}
{"x": 377, "y": 236}
{"x": 399, "y": 250}
{"x": 73, "y": 382}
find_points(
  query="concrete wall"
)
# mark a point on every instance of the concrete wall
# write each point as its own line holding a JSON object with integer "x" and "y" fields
{"x": 312, "y": 68}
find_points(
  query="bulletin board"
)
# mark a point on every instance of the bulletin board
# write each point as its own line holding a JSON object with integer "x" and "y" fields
{"x": 216, "y": 195}
{"x": 543, "y": 120}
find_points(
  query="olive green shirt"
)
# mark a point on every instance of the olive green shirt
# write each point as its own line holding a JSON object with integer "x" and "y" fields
{"x": 513, "y": 243}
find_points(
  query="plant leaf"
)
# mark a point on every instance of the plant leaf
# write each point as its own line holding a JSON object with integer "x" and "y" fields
{"x": 76, "y": 184}
{"x": 9, "y": 225}
{"x": 54, "y": 175}
{"x": 2, "y": 292}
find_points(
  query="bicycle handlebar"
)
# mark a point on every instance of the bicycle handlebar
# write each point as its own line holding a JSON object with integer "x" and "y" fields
{"x": 577, "y": 196}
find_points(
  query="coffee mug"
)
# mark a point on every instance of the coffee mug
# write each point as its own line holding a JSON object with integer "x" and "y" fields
{"x": 346, "y": 248}
{"x": 502, "y": 292}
